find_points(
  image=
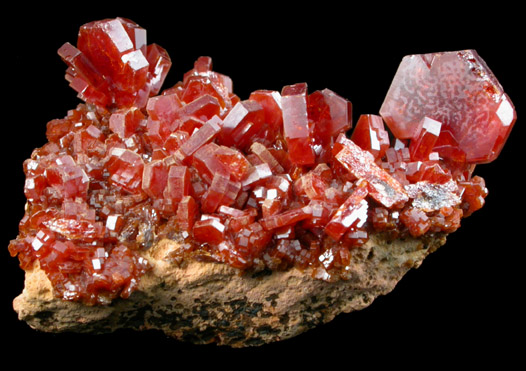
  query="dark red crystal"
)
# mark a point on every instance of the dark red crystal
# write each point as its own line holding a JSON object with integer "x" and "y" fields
{"x": 268, "y": 182}
{"x": 458, "y": 90}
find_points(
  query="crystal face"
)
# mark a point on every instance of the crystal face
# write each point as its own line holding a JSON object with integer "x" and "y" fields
{"x": 273, "y": 181}
{"x": 458, "y": 90}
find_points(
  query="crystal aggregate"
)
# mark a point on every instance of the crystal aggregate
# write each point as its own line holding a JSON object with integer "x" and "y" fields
{"x": 274, "y": 181}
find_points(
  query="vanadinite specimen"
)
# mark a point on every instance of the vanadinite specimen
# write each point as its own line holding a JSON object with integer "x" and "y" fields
{"x": 266, "y": 183}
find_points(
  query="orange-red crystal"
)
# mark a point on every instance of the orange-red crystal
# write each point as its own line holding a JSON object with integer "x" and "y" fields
{"x": 268, "y": 182}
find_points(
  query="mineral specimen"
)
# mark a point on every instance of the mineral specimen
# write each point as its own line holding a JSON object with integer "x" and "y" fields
{"x": 271, "y": 184}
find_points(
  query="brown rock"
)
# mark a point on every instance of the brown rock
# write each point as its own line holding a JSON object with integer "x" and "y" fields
{"x": 204, "y": 302}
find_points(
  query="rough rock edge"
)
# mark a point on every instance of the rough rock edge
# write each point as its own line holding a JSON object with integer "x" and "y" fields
{"x": 204, "y": 302}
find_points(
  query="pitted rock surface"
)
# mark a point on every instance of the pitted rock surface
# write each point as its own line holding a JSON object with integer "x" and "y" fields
{"x": 206, "y": 302}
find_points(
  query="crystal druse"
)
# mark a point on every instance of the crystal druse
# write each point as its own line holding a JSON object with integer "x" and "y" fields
{"x": 273, "y": 181}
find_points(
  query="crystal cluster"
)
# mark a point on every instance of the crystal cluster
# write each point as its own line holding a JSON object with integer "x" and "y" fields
{"x": 268, "y": 182}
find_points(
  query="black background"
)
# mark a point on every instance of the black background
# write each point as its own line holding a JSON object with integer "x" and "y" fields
{"x": 461, "y": 306}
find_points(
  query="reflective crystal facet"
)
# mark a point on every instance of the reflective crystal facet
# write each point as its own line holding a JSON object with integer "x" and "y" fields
{"x": 371, "y": 135}
{"x": 296, "y": 124}
{"x": 382, "y": 186}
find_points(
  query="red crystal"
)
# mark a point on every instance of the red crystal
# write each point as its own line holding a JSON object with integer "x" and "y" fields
{"x": 125, "y": 122}
{"x": 238, "y": 219}
{"x": 209, "y": 229}
{"x": 256, "y": 175}
{"x": 186, "y": 213}
{"x": 201, "y": 137}
{"x": 69, "y": 179}
{"x": 155, "y": 178}
{"x": 458, "y": 90}
{"x": 125, "y": 168}
{"x": 473, "y": 194}
{"x": 315, "y": 183}
{"x": 201, "y": 80}
{"x": 287, "y": 218}
{"x": 84, "y": 78}
{"x": 72, "y": 229}
{"x": 267, "y": 182}
{"x": 242, "y": 124}
{"x": 220, "y": 192}
{"x": 330, "y": 113}
{"x": 232, "y": 159}
{"x": 353, "y": 212}
{"x": 296, "y": 124}
{"x": 382, "y": 187}
{"x": 159, "y": 65}
{"x": 121, "y": 76}
{"x": 270, "y": 102}
{"x": 178, "y": 183}
{"x": 207, "y": 163}
{"x": 164, "y": 108}
{"x": 250, "y": 242}
{"x": 423, "y": 143}
{"x": 371, "y": 135}
{"x": 416, "y": 221}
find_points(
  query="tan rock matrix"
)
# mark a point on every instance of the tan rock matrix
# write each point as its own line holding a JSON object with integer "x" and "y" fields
{"x": 204, "y": 302}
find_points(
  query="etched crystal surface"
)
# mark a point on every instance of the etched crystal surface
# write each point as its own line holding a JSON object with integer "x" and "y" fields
{"x": 458, "y": 90}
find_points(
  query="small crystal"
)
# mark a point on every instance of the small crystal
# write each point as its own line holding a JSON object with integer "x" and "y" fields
{"x": 382, "y": 187}
{"x": 242, "y": 123}
{"x": 209, "y": 230}
{"x": 126, "y": 169}
{"x": 155, "y": 178}
{"x": 371, "y": 135}
{"x": 330, "y": 113}
{"x": 287, "y": 218}
{"x": 423, "y": 143}
{"x": 202, "y": 136}
{"x": 178, "y": 183}
{"x": 353, "y": 212}
{"x": 296, "y": 124}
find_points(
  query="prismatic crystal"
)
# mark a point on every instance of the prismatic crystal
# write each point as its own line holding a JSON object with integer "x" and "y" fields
{"x": 274, "y": 181}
